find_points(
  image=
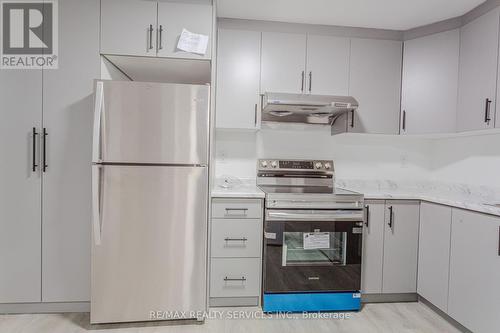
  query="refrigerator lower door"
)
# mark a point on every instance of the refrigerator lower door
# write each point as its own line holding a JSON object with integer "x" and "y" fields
{"x": 155, "y": 123}
{"x": 151, "y": 253}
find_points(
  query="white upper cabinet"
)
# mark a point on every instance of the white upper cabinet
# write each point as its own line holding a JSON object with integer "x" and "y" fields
{"x": 173, "y": 16}
{"x": 474, "y": 291}
{"x": 327, "y": 65}
{"x": 375, "y": 82}
{"x": 238, "y": 79}
{"x": 283, "y": 62}
{"x": 128, "y": 27}
{"x": 152, "y": 28}
{"x": 401, "y": 247}
{"x": 430, "y": 81}
{"x": 434, "y": 254}
{"x": 478, "y": 73}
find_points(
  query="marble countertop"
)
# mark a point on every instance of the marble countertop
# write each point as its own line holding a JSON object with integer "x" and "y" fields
{"x": 475, "y": 198}
{"x": 470, "y": 197}
{"x": 236, "y": 188}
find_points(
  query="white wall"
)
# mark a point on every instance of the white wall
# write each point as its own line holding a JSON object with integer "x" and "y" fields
{"x": 356, "y": 156}
{"x": 468, "y": 160}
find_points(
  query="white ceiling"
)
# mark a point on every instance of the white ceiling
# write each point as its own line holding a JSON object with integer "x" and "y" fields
{"x": 382, "y": 14}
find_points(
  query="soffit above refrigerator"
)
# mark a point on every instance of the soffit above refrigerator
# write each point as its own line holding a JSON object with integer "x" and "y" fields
{"x": 166, "y": 70}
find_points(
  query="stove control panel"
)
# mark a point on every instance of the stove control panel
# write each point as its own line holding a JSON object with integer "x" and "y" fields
{"x": 302, "y": 165}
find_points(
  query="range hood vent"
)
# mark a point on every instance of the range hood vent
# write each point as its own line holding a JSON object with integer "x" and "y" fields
{"x": 306, "y": 109}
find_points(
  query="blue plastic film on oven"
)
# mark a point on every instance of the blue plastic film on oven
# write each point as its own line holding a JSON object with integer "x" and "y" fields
{"x": 311, "y": 302}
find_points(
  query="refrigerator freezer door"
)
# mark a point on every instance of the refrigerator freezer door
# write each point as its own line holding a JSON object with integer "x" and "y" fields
{"x": 156, "y": 123}
{"x": 152, "y": 253}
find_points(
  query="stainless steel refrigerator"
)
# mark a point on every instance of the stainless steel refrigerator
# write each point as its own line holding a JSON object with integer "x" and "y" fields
{"x": 150, "y": 197}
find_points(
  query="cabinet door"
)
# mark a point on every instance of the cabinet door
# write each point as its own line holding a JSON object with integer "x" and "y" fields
{"x": 126, "y": 27}
{"x": 478, "y": 72}
{"x": 375, "y": 81}
{"x": 373, "y": 247}
{"x": 401, "y": 247}
{"x": 434, "y": 254}
{"x": 475, "y": 271}
{"x": 20, "y": 187}
{"x": 173, "y": 16}
{"x": 67, "y": 116}
{"x": 430, "y": 81}
{"x": 327, "y": 65}
{"x": 283, "y": 62}
{"x": 238, "y": 79}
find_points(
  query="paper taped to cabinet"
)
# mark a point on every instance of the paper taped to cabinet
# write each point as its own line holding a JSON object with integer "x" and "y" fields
{"x": 191, "y": 42}
{"x": 316, "y": 240}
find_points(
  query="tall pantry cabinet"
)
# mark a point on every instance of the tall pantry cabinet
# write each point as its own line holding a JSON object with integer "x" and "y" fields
{"x": 45, "y": 214}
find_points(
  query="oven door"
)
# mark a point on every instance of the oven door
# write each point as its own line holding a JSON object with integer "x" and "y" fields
{"x": 307, "y": 255}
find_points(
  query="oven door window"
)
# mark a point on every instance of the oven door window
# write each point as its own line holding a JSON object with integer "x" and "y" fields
{"x": 314, "y": 248}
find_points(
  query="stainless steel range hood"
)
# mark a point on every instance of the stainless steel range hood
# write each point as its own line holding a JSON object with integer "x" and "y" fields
{"x": 306, "y": 109}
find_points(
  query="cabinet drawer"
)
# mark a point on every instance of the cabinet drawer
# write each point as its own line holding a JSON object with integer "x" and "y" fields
{"x": 236, "y": 237}
{"x": 237, "y": 208}
{"x": 239, "y": 277}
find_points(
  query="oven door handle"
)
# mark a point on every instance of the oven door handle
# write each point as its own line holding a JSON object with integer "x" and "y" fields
{"x": 315, "y": 215}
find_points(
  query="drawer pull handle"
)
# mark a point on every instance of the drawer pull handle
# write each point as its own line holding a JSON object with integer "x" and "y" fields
{"x": 235, "y": 279}
{"x": 244, "y": 239}
{"x": 242, "y": 211}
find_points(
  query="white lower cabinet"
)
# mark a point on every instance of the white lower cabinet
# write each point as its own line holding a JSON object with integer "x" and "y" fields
{"x": 400, "y": 247}
{"x": 236, "y": 233}
{"x": 373, "y": 247}
{"x": 474, "y": 292}
{"x": 390, "y": 247}
{"x": 434, "y": 254}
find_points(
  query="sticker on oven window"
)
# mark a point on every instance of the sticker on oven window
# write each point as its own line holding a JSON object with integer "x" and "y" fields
{"x": 356, "y": 295}
{"x": 270, "y": 235}
{"x": 316, "y": 240}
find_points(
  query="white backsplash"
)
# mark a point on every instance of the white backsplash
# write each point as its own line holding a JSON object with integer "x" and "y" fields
{"x": 472, "y": 160}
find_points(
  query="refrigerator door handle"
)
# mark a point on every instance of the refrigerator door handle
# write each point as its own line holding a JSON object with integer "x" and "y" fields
{"x": 96, "y": 203}
{"x": 96, "y": 143}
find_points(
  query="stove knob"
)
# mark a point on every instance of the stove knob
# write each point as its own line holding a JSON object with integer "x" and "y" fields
{"x": 327, "y": 166}
{"x": 318, "y": 165}
{"x": 274, "y": 164}
{"x": 263, "y": 164}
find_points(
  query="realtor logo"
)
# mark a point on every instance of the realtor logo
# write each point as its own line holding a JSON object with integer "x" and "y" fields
{"x": 29, "y": 34}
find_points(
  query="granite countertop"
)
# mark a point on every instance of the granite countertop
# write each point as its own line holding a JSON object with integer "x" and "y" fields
{"x": 475, "y": 198}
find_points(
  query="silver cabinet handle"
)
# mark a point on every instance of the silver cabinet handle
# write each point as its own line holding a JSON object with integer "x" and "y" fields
{"x": 160, "y": 34}
{"x": 244, "y": 239}
{"x": 96, "y": 203}
{"x": 150, "y": 37}
{"x": 34, "y": 165}
{"x": 303, "y": 79}
{"x": 235, "y": 279}
{"x": 487, "y": 108}
{"x": 499, "y": 241}
{"x": 310, "y": 80}
{"x": 243, "y": 211}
